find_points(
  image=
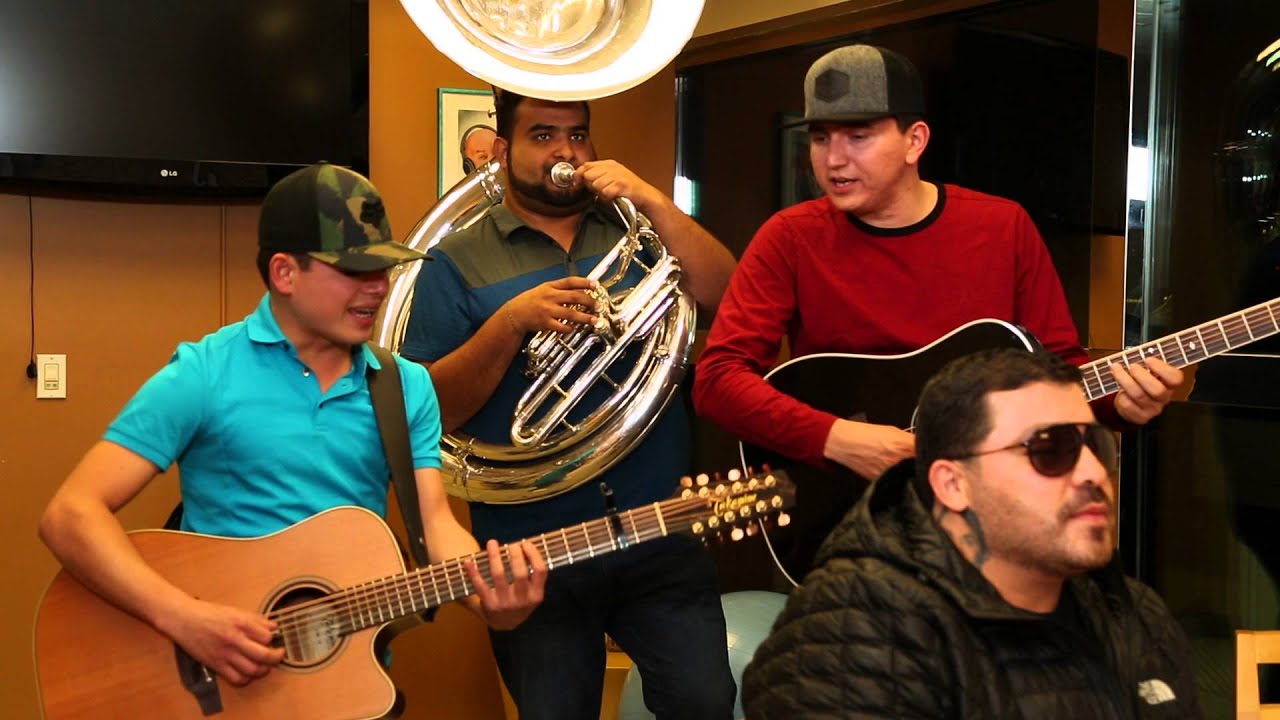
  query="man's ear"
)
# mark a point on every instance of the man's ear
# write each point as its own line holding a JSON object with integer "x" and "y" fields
{"x": 500, "y": 149}
{"x": 917, "y": 140}
{"x": 282, "y": 269}
{"x": 950, "y": 483}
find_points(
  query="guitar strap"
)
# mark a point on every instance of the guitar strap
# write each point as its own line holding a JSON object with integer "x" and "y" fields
{"x": 388, "y": 408}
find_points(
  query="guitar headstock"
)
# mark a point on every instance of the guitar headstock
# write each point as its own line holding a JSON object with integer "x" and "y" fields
{"x": 731, "y": 506}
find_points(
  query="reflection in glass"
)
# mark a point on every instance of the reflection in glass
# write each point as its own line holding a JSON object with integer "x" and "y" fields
{"x": 1204, "y": 480}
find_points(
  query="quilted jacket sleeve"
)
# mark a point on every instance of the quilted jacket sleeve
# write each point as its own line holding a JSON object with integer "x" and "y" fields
{"x": 1167, "y": 658}
{"x": 853, "y": 644}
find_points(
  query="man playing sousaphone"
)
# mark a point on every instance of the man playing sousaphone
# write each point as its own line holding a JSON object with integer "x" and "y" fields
{"x": 520, "y": 270}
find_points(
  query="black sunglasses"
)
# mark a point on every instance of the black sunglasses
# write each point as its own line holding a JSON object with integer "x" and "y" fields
{"x": 1054, "y": 451}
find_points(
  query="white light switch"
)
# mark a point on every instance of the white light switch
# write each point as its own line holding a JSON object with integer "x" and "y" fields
{"x": 51, "y": 376}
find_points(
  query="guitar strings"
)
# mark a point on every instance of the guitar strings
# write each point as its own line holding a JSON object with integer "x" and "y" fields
{"x": 361, "y": 601}
{"x": 1189, "y": 346}
{"x": 373, "y": 595}
{"x": 382, "y": 600}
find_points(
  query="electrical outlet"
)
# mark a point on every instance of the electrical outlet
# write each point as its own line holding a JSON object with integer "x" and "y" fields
{"x": 51, "y": 376}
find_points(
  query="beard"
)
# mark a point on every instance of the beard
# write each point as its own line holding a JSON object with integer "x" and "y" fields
{"x": 554, "y": 201}
{"x": 1096, "y": 548}
{"x": 1050, "y": 546}
{"x": 1088, "y": 495}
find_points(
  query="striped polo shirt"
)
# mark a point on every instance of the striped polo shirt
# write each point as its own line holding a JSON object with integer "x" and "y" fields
{"x": 476, "y": 271}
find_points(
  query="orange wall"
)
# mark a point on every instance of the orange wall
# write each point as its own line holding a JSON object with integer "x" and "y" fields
{"x": 119, "y": 282}
{"x": 117, "y": 285}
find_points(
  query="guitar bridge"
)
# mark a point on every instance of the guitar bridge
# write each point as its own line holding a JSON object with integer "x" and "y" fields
{"x": 198, "y": 681}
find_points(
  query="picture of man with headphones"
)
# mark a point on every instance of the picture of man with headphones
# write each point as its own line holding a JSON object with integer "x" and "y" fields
{"x": 476, "y": 147}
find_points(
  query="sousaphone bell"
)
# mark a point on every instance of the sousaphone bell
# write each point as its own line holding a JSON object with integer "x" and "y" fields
{"x": 558, "y": 49}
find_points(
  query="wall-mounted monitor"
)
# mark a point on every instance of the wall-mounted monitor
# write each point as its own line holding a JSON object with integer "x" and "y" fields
{"x": 183, "y": 96}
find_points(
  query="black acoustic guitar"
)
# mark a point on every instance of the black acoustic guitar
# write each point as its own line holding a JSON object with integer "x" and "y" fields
{"x": 883, "y": 389}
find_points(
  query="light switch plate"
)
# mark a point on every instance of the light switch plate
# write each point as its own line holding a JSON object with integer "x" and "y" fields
{"x": 51, "y": 376}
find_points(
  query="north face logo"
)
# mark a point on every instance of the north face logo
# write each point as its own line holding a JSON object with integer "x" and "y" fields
{"x": 830, "y": 84}
{"x": 1155, "y": 691}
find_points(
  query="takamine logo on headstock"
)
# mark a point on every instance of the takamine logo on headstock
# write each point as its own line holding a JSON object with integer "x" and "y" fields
{"x": 733, "y": 503}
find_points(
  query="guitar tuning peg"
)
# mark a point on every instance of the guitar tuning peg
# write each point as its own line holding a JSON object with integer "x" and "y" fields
{"x": 752, "y": 484}
{"x": 736, "y": 487}
{"x": 685, "y": 494}
{"x": 752, "y": 529}
{"x": 730, "y": 516}
{"x": 770, "y": 481}
{"x": 721, "y": 490}
{"x": 686, "y": 481}
{"x": 697, "y": 528}
{"x": 713, "y": 522}
{"x": 762, "y": 506}
{"x": 784, "y": 520}
{"x": 745, "y": 511}
{"x": 703, "y": 479}
{"x": 737, "y": 534}
{"x": 735, "y": 475}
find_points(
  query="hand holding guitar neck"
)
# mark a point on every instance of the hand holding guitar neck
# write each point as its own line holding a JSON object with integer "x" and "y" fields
{"x": 1145, "y": 388}
{"x": 506, "y": 598}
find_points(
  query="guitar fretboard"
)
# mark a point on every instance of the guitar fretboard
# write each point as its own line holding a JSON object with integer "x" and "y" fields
{"x": 381, "y": 601}
{"x": 1187, "y": 347}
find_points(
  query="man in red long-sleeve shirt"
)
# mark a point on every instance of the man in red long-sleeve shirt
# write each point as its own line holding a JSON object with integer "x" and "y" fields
{"x": 885, "y": 263}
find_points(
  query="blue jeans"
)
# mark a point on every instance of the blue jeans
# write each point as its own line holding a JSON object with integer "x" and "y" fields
{"x": 659, "y": 600}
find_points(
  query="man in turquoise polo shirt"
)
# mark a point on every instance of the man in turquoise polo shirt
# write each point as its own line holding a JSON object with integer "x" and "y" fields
{"x": 521, "y": 270}
{"x": 270, "y": 421}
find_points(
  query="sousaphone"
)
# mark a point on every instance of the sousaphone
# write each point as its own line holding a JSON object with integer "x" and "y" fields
{"x": 562, "y": 50}
{"x": 558, "y": 49}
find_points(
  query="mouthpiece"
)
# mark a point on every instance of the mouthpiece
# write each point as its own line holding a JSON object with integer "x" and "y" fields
{"x": 562, "y": 174}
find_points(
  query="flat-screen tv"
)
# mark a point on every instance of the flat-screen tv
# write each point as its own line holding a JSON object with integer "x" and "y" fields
{"x": 184, "y": 96}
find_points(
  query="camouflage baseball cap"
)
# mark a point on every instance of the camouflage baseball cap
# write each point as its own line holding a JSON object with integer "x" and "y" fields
{"x": 333, "y": 214}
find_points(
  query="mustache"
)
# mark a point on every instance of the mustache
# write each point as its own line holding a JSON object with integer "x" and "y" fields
{"x": 1088, "y": 495}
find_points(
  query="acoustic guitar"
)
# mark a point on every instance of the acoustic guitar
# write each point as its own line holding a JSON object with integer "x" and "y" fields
{"x": 337, "y": 587}
{"x": 883, "y": 389}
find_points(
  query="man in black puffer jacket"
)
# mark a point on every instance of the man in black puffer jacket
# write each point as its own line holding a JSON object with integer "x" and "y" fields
{"x": 981, "y": 582}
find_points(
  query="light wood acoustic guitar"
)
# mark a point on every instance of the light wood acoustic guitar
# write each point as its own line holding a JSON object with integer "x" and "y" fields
{"x": 337, "y": 587}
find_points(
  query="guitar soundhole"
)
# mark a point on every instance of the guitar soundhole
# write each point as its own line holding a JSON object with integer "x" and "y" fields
{"x": 311, "y": 631}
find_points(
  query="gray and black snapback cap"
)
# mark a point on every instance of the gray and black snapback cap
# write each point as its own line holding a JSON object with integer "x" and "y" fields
{"x": 860, "y": 83}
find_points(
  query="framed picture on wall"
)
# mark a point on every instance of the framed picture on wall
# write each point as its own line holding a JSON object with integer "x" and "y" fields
{"x": 467, "y": 133}
{"x": 795, "y": 174}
